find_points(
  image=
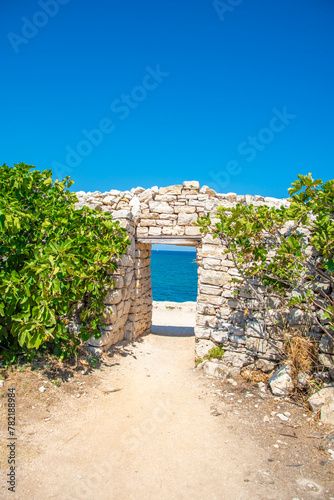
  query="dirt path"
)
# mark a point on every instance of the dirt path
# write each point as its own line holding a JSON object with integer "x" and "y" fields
{"x": 155, "y": 438}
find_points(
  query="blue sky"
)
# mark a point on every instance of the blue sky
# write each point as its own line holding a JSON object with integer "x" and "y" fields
{"x": 237, "y": 94}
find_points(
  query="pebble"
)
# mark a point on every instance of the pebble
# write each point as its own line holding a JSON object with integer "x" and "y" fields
{"x": 276, "y": 446}
{"x": 41, "y": 389}
{"x": 2, "y": 383}
{"x": 266, "y": 418}
{"x": 282, "y": 416}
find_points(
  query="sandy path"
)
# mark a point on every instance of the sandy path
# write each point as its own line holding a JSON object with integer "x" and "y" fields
{"x": 154, "y": 439}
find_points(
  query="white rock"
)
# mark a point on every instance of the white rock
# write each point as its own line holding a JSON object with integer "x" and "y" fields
{"x": 202, "y": 333}
{"x": 237, "y": 359}
{"x": 326, "y": 360}
{"x": 281, "y": 382}
{"x": 281, "y": 416}
{"x": 114, "y": 296}
{"x": 254, "y": 329}
{"x": 297, "y": 317}
{"x": 216, "y": 278}
{"x": 134, "y": 201}
{"x": 122, "y": 214}
{"x": 235, "y": 330}
{"x": 145, "y": 195}
{"x": 160, "y": 207}
{"x": 211, "y": 369}
{"x": 191, "y": 185}
{"x": 207, "y": 190}
{"x": 202, "y": 347}
{"x": 327, "y": 413}
{"x": 108, "y": 200}
{"x": 324, "y": 396}
{"x": 249, "y": 199}
{"x": 326, "y": 345}
{"x": 273, "y": 201}
{"x": 96, "y": 351}
{"x": 137, "y": 190}
{"x": 173, "y": 190}
{"x": 262, "y": 386}
{"x": 42, "y": 389}
{"x": 264, "y": 365}
{"x": 186, "y": 219}
{"x": 219, "y": 336}
{"x": 303, "y": 379}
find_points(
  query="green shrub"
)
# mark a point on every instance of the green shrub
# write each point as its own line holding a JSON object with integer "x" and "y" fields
{"x": 52, "y": 259}
{"x": 215, "y": 352}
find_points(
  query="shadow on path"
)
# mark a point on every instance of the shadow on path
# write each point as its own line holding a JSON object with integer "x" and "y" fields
{"x": 173, "y": 331}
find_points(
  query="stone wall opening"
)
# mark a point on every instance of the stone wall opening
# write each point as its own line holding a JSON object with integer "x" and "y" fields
{"x": 174, "y": 273}
{"x": 174, "y": 281}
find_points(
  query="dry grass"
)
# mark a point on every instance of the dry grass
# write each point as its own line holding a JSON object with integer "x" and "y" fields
{"x": 301, "y": 353}
{"x": 255, "y": 376}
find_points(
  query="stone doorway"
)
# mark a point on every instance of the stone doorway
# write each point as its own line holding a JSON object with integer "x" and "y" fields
{"x": 181, "y": 314}
{"x": 174, "y": 282}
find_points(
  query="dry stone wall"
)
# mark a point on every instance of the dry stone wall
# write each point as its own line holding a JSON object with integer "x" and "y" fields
{"x": 169, "y": 212}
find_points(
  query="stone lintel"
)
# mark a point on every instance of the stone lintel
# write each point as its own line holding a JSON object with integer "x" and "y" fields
{"x": 191, "y": 241}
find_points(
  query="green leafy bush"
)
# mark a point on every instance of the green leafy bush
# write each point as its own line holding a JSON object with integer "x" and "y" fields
{"x": 55, "y": 262}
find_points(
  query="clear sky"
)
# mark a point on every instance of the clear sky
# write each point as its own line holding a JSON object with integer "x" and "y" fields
{"x": 237, "y": 94}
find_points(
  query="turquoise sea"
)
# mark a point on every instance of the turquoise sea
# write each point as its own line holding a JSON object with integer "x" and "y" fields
{"x": 174, "y": 275}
